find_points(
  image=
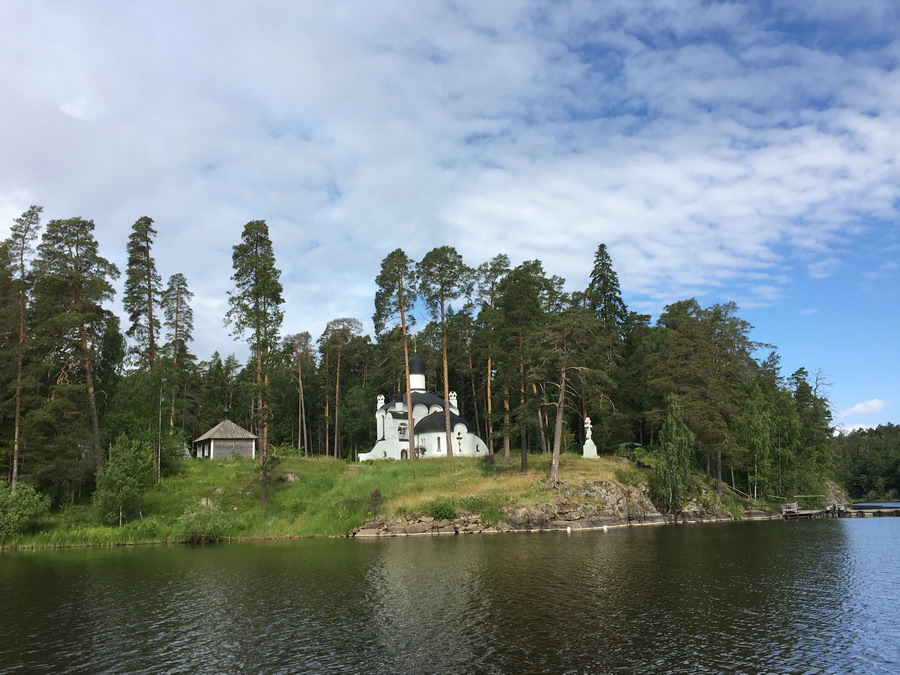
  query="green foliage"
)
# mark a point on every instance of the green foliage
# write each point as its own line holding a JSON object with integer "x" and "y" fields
{"x": 21, "y": 510}
{"x": 203, "y": 525}
{"x": 630, "y": 475}
{"x": 869, "y": 462}
{"x": 143, "y": 288}
{"x": 441, "y": 509}
{"x": 376, "y": 501}
{"x": 123, "y": 480}
{"x": 673, "y": 462}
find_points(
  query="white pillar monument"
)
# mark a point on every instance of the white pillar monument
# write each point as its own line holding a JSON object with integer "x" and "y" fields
{"x": 589, "y": 449}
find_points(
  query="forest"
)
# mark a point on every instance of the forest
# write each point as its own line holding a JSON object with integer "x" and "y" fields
{"x": 528, "y": 360}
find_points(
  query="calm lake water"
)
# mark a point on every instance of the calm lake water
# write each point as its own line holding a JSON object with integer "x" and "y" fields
{"x": 762, "y": 597}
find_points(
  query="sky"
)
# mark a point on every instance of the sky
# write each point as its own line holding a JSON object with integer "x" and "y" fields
{"x": 727, "y": 151}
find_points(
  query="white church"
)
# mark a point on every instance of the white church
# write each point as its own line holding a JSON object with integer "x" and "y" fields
{"x": 428, "y": 424}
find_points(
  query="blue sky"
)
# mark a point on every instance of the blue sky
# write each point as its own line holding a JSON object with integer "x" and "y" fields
{"x": 726, "y": 151}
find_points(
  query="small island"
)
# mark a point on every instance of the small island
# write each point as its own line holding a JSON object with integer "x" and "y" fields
{"x": 550, "y": 409}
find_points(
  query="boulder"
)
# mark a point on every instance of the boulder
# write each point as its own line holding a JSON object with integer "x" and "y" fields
{"x": 368, "y": 532}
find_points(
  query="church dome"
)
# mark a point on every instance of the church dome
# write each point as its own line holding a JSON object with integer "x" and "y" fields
{"x": 416, "y": 365}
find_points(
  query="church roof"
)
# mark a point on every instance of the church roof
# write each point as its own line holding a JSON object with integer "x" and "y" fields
{"x": 227, "y": 430}
{"x": 418, "y": 398}
{"x": 435, "y": 422}
{"x": 416, "y": 365}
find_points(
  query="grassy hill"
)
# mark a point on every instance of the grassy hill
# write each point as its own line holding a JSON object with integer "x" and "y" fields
{"x": 324, "y": 497}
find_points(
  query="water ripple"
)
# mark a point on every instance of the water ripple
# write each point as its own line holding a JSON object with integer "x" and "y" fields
{"x": 774, "y": 597}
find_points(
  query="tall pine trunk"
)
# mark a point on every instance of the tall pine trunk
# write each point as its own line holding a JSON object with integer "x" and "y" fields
{"x": 448, "y": 431}
{"x": 557, "y": 432}
{"x": 506, "y": 422}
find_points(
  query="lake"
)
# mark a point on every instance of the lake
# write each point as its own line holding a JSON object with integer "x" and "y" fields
{"x": 814, "y": 596}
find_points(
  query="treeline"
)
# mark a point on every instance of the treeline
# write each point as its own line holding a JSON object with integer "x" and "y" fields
{"x": 529, "y": 363}
{"x": 868, "y": 462}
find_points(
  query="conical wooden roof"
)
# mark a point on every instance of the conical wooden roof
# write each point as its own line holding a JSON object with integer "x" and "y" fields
{"x": 226, "y": 430}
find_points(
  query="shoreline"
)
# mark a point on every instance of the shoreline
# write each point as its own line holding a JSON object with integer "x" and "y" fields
{"x": 354, "y": 534}
{"x": 469, "y": 525}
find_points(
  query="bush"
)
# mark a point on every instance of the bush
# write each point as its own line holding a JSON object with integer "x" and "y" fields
{"x": 202, "y": 525}
{"x": 123, "y": 480}
{"x": 21, "y": 510}
{"x": 629, "y": 475}
{"x": 442, "y": 510}
{"x": 376, "y": 501}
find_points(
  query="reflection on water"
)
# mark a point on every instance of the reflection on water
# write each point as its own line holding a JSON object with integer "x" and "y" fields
{"x": 800, "y": 596}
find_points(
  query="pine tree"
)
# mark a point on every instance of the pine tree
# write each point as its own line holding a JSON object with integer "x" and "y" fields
{"x": 179, "y": 326}
{"x": 338, "y": 333}
{"x": 256, "y": 311}
{"x": 488, "y": 277}
{"x": 72, "y": 281}
{"x": 299, "y": 345}
{"x": 394, "y": 300}
{"x": 143, "y": 289}
{"x": 19, "y": 248}
{"x": 443, "y": 277}
{"x": 141, "y": 301}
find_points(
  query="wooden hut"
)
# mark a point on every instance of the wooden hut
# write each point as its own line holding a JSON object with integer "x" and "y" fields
{"x": 226, "y": 439}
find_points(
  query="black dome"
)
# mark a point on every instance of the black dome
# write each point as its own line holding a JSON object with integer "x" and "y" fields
{"x": 416, "y": 365}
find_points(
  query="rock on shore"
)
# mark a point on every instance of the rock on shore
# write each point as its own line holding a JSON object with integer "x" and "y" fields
{"x": 577, "y": 507}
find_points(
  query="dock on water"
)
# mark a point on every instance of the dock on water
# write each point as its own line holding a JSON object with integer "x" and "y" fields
{"x": 793, "y": 511}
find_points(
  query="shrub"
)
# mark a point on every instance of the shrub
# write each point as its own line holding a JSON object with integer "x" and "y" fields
{"x": 492, "y": 516}
{"x": 202, "y": 525}
{"x": 123, "y": 480}
{"x": 21, "y": 510}
{"x": 629, "y": 475}
{"x": 442, "y": 509}
{"x": 376, "y": 501}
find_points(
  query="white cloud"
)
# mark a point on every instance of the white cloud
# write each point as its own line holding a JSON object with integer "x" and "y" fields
{"x": 709, "y": 166}
{"x": 865, "y": 408}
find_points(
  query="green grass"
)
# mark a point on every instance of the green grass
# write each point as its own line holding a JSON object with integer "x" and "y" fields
{"x": 329, "y": 497}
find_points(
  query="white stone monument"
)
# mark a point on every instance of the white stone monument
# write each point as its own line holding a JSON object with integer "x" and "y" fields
{"x": 589, "y": 449}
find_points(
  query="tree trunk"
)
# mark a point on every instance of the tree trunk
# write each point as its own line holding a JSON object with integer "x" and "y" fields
{"x": 262, "y": 381}
{"x": 523, "y": 423}
{"x": 174, "y": 389}
{"x": 474, "y": 394}
{"x": 542, "y": 434}
{"x": 447, "y": 429}
{"x": 490, "y": 407}
{"x": 505, "y": 422}
{"x": 557, "y": 432}
{"x": 302, "y": 431}
{"x": 410, "y": 433}
{"x": 92, "y": 400}
{"x": 337, "y": 404}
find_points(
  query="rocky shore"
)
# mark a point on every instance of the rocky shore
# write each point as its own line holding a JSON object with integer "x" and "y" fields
{"x": 590, "y": 506}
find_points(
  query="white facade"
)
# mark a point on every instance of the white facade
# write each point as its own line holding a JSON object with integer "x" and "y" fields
{"x": 428, "y": 420}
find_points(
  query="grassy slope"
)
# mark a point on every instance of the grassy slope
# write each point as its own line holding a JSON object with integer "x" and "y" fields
{"x": 328, "y": 498}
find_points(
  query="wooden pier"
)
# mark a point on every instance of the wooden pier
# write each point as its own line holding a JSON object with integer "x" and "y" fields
{"x": 793, "y": 511}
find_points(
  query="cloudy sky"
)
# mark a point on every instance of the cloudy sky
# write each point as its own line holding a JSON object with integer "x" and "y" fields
{"x": 725, "y": 151}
